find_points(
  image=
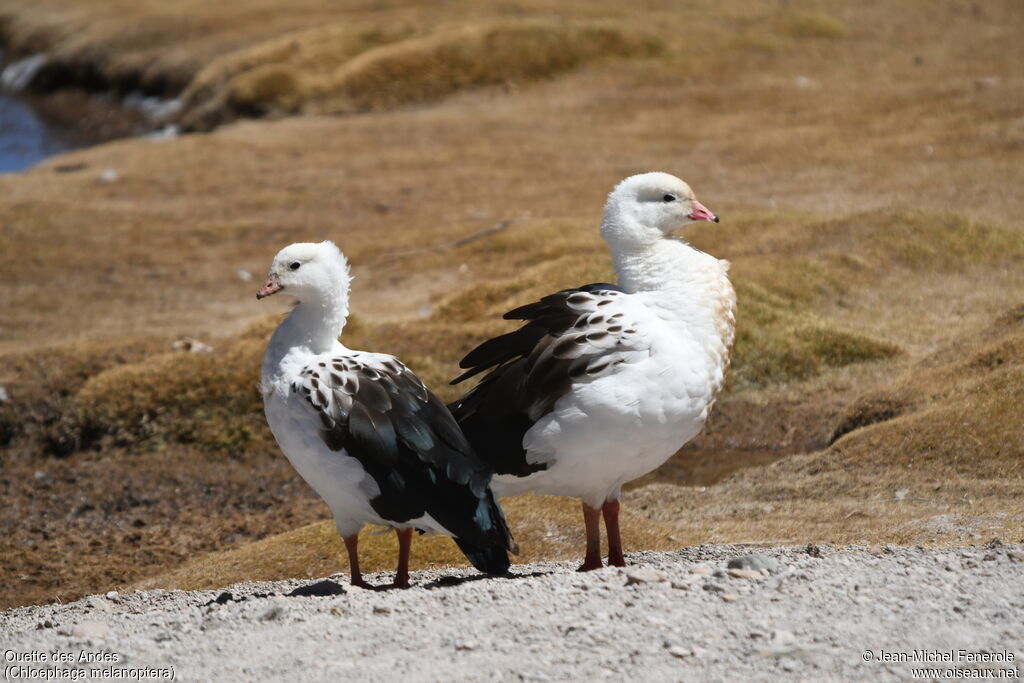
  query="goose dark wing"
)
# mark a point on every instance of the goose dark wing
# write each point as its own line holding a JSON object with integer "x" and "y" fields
{"x": 376, "y": 410}
{"x": 571, "y": 337}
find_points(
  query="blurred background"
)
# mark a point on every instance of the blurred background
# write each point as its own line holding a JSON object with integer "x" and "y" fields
{"x": 866, "y": 160}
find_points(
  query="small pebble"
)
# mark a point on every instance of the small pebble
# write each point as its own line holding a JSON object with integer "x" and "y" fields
{"x": 755, "y": 561}
{"x": 730, "y": 597}
{"x": 645, "y": 575}
{"x": 701, "y": 570}
{"x": 680, "y": 652}
{"x": 97, "y": 603}
{"x": 746, "y": 574}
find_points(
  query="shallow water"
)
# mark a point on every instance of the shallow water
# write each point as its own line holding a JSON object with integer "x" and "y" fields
{"x": 25, "y": 138}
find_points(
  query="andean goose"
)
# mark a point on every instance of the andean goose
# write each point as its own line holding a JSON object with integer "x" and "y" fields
{"x": 604, "y": 382}
{"x": 364, "y": 431}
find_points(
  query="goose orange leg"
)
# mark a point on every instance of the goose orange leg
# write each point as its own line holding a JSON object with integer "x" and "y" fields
{"x": 611, "y": 525}
{"x": 404, "y": 544}
{"x": 352, "y": 546}
{"x": 592, "y": 521}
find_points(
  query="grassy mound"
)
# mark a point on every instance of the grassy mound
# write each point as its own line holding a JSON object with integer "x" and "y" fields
{"x": 935, "y": 457}
{"x": 344, "y": 69}
{"x": 783, "y": 342}
{"x": 427, "y": 68}
{"x": 209, "y": 400}
{"x": 272, "y": 76}
{"x": 43, "y": 386}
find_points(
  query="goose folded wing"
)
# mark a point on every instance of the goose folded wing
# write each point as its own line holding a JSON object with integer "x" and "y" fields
{"x": 571, "y": 337}
{"x": 379, "y": 412}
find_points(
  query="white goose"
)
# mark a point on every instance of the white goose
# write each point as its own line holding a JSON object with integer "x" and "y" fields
{"x": 603, "y": 383}
{"x": 364, "y": 431}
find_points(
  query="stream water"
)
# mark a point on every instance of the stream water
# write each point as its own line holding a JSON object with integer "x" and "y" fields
{"x": 25, "y": 138}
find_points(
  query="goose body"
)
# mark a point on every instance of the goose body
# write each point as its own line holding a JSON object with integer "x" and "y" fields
{"x": 364, "y": 431}
{"x": 603, "y": 383}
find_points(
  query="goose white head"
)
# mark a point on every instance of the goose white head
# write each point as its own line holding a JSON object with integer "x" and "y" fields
{"x": 309, "y": 271}
{"x": 649, "y": 207}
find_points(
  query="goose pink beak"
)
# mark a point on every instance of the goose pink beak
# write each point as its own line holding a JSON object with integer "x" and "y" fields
{"x": 272, "y": 286}
{"x": 701, "y": 213}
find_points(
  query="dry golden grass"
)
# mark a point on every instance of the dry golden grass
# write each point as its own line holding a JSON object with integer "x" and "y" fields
{"x": 210, "y": 400}
{"x": 261, "y": 56}
{"x": 423, "y": 69}
{"x": 933, "y": 457}
{"x": 338, "y": 69}
{"x": 743, "y": 130}
{"x": 864, "y": 162}
{"x": 549, "y": 528}
{"x": 310, "y": 52}
{"x": 813, "y": 25}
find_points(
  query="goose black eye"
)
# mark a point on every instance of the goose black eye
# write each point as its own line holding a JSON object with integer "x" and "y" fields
{"x": 668, "y": 198}
{"x": 295, "y": 265}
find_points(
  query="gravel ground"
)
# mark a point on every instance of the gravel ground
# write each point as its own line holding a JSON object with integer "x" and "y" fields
{"x": 811, "y": 613}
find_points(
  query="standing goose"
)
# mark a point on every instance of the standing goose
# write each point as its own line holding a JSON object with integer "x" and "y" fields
{"x": 603, "y": 383}
{"x": 364, "y": 431}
